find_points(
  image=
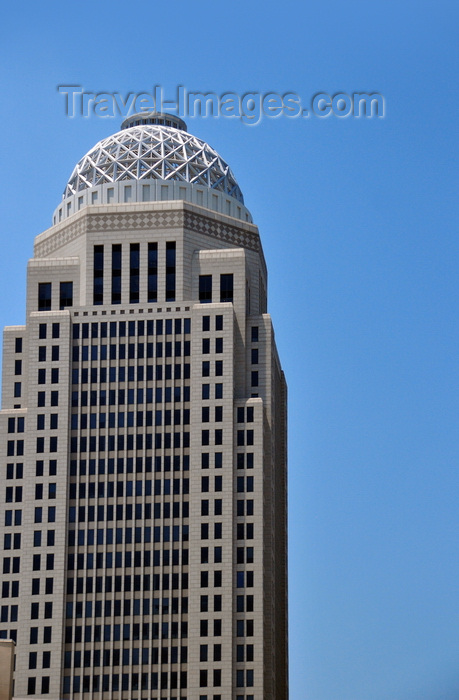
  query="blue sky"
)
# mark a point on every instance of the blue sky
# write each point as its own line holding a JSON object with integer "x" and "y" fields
{"x": 359, "y": 222}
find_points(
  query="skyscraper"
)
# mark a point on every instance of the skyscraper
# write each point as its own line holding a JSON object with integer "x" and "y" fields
{"x": 143, "y": 489}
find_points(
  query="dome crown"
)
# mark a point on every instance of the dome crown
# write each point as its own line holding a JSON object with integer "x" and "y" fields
{"x": 153, "y": 146}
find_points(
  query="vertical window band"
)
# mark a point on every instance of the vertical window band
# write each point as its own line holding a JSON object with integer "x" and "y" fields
{"x": 116, "y": 273}
{"x": 134, "y": 271}
{"x": 98, "y": 279}
{"x": 170, "y": 270}
{"x": 152, "y": 272}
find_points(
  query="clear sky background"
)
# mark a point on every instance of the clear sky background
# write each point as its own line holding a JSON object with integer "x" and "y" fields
{"x": 359, "y": 222}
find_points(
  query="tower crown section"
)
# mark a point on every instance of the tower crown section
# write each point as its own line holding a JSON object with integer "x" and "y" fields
{"x": 152, "y": 149}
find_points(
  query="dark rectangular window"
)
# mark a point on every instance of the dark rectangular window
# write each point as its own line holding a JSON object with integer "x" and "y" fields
{"x": 152, "y": 272}
{"x": 65, "y": 294}
{"x": 98, "y": 288}
{"x": 134, "y": 271}
{"x": 116, "y": 274}
{"x": 170, "y": 271}
{"x": 44, "y": 296}
{"x": 18, "y": 344}
{"x": 226, "y": 287}
{"x": 205, "y": 288}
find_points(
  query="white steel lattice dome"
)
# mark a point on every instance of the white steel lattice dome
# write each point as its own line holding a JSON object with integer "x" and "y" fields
{"x": 153, "y": 146}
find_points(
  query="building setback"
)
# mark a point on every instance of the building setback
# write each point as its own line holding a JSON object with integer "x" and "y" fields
{"x": 143, "y": 451}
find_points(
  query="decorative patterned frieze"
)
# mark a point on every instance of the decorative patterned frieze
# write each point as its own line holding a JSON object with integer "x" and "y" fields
{"x": 218, "y": 229}
{"x": 54, "y": 241}
{"x": 140, "y": 221}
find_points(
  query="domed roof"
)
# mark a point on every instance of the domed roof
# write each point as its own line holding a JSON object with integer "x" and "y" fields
{"x": 153, "y": 146}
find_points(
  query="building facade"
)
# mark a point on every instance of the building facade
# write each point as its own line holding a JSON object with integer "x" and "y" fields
{"x": 143, "y": 421}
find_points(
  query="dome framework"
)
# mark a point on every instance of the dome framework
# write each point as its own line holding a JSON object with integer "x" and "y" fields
{"x": 153, "y": 151}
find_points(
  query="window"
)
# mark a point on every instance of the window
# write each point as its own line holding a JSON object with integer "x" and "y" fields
{"x": 134, "y": 270}
{"x": 18, "y": 345}
{"x": 98, "y": 278}
{"x": 205, "y": 391}
{"x": 226, "y": 287}
{"x": 116, "y": 274}
{"x": 170, "y": 271}
{"x": 152, "y": 272}
{"x": 205, "y": 288}
{"x": 254, "y": 334}
{"x": 65, "y": 294}
{"x": 202, "y": 678}
{"x": 205, "y": 369}
{"x": 217, "y": 675}
{"x": 44, "y": 296}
